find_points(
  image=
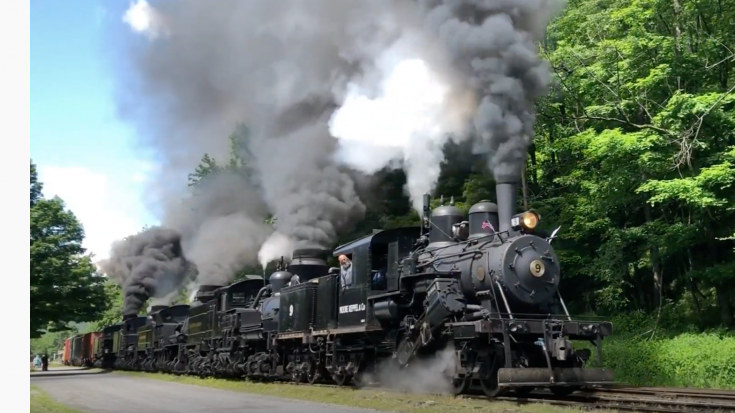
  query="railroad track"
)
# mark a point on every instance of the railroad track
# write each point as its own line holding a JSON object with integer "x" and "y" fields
{"x": 648, "y": 399}
{"x": 629, "y": 399}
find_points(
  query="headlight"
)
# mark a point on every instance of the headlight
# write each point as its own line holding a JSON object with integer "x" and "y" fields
{"x": 527, "y": 220}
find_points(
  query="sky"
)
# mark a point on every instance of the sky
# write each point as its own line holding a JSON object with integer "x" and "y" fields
{"x": 84, "y": 154}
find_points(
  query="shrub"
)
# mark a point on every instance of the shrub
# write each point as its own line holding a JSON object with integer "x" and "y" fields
{"x": 676, "y": 355}
{"x": 705, "y": 360}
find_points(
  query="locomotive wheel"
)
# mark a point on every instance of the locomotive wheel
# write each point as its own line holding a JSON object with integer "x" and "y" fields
{"x": 564, "y": 391}
{"x": 342, "y": 379}
{"x": 298, "y": 376}
{"x": 358, "y": 380}
{"x": 489, "y": 383}
{"x": 460, "y": 386}
{"x": 314, "y": 375}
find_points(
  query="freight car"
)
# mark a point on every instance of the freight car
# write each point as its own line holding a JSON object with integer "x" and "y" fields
{"x": 483, "y": 288}
{"x": 66, "y": 357}
{"x": 76, "y": 350}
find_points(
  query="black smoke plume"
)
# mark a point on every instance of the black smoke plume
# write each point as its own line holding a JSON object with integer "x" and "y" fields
{"x": 147, "y": 265}
{"x": 493, "y": 42}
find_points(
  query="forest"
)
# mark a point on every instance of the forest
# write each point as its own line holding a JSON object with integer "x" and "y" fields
{"x": 634, "y": 157}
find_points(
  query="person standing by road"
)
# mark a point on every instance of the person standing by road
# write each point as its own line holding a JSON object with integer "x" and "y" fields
{"x": 44, "y": 362}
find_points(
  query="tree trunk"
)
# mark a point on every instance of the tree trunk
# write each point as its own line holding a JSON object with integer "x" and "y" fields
{"x": 677, "y": 37}
{"x": 726, "y": 312}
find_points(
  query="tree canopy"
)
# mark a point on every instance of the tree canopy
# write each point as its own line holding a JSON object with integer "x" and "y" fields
{"x": 65, "y": 286}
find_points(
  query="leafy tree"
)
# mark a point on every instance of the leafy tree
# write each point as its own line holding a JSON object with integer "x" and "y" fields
{"x": 634, "y": 153}
{"x": 52, "y": 342}
{"x": 207, "y": 167}
{"x": 65, "y": 286}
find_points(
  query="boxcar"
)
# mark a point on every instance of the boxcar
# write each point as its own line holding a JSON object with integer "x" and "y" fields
{"x": 77, "y": 350}
{"x": 66, "y": 357}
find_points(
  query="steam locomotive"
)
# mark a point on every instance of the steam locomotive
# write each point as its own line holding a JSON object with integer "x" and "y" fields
{"x": 485, "y": 288}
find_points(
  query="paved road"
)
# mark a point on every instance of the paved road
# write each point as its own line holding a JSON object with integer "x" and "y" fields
{"x": 98, "y": 392}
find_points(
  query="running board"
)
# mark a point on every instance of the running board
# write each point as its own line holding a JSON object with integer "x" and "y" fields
{"x": 541, "y": 377}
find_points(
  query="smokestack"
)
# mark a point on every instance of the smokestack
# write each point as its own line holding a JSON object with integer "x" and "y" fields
{"x": 507, "y": 194}
{"x": 205, "y": 293}
{"x": 309, "y": 263}
{"x": 156, "y": 308}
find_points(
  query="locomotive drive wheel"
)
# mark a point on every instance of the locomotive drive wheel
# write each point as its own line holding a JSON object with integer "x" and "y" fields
{"x": 299, "y": 376}
{"x": 359, "y": 380}
{"x": 315, "y": 374}
{"x": 342, "y": 379}
{"x": 489, "y": 383}
{"x": 460, "y": 386}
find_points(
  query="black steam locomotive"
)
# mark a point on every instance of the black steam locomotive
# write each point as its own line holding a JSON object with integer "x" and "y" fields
{"x": 486, "y": 288}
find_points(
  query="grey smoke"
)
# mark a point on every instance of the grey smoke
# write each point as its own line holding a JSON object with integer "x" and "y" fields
{"x": 222, "y": 226}
{"x": 282, "y": 67}
{"x": 274, "y": 66}
{"x": 492, "y": 43}
{"x": 150, "y": 264}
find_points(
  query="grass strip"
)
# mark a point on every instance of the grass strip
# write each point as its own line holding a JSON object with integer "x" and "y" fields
{"x": 43, "y": 403}
{"x": 363, "y": 398}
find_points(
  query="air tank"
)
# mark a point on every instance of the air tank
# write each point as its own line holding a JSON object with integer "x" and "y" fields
{"x": 279, "y": 279}
{"x": 308, "y": 263}
{"x": 443, "y": 219}
{"x": 483, "y": 217}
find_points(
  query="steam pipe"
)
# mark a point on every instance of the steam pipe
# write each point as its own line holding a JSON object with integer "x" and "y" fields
{"x": 260, "y": 293}
{"x": 507, "y": 194}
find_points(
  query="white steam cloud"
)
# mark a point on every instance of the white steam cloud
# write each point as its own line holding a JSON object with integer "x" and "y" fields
{"x": 143, "y": 18}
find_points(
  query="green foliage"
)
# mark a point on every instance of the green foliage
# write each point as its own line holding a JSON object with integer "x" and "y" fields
{"x": 64, "y": 283}
{"x": 634, "y": 155}
{"x": 52, "y": 342}
{"x": 705, "y": 360}
{"x": 114, "y": 298}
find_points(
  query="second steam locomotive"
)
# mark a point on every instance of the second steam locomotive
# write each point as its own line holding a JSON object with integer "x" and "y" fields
{"x": 483, "y": 286}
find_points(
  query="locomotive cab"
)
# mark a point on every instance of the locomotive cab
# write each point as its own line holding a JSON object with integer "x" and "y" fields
{"x": 374, "y": 273}
{"x": 238, "y": 302}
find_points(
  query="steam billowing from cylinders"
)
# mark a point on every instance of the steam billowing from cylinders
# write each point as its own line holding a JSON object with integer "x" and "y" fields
{"x": 428, "y": 375}
{"x": 328, "y": 90}
{"x": 149, "y": 264}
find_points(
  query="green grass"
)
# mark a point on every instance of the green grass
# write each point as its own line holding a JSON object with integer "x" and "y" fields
{"x": 43, "y": 403}
{"x": 363, "y": 398}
